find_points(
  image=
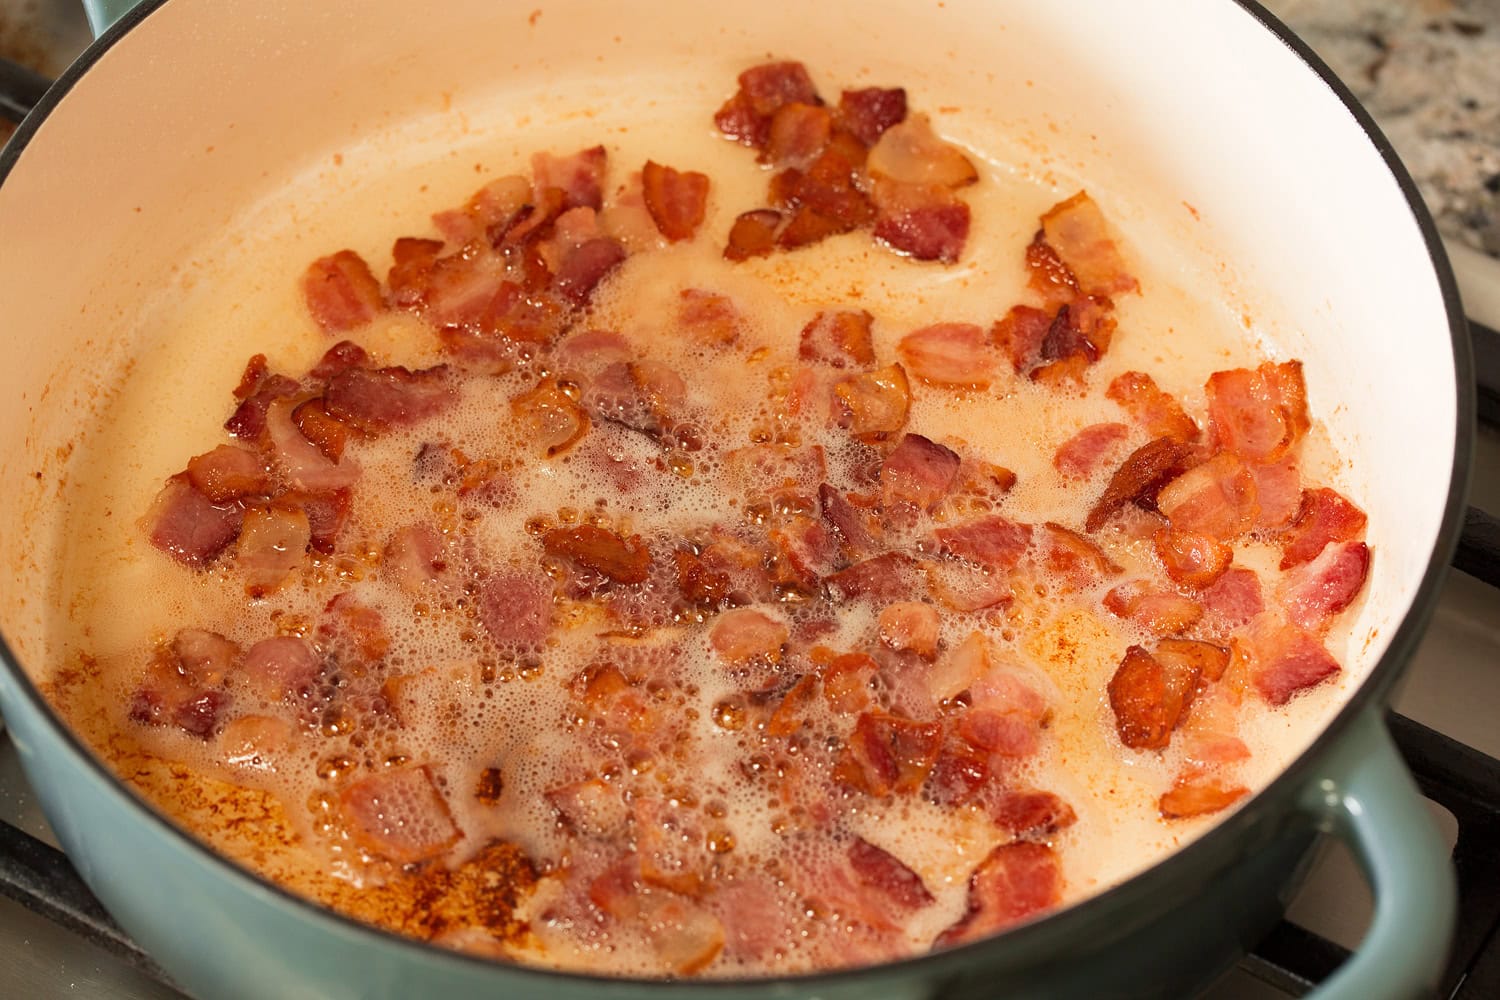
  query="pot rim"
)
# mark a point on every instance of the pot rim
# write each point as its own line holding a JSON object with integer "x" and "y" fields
{"x": 1135, "y": 893}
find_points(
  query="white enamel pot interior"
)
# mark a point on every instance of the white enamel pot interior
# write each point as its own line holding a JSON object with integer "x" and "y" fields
{"x": 1189, "y": 119}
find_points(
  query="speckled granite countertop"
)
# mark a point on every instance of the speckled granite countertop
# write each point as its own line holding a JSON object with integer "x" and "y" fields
{"x": 1429, "y": 72}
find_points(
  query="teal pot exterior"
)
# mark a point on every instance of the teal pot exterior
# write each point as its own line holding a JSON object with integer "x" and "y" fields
{"x": 220, "y": 931}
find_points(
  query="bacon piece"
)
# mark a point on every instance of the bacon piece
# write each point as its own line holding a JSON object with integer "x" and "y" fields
{"x": 1137, "y": 478}
{"x": 791, "y": 713}
{"x": 341, "y": 292}
{"x": 590, "y": 352}
{"x": 1215, "y": 498}
{"x": 802, "y": 552}
{"x": 1234, "y": 598}
{"x": 1149, "y": 697}
{"x": 1048, "y": 275}
{"x": 910, "y": 152}
{"x": 838, "y": 338}
{"x": 1151, "y": 407}
{"x": 1020, "y": 333}
{"x": 1198, "y": 798}
{"x": 675, "y": 199}
{"x": 415, "y": 559}
{"x": 248, "y": 421}
{"x": 753, "y": 234}
{"x": 1161, "y": 611}
{"x": 1192, "y": 558}
{"x": 994, "y": 542}
{"x": 588, "y": 547}
{"x": 885, "y": 577}
{"x": 956, "y": 355}
{"x": 205, "y": 658}
{"x": 228, "y": 473}
{"x": 912, "y": 626}
{"x": 922, "y": 223}
{"x": 868, "y": 112}
{"x": 874, "y": 403}
{"x": 1287, "y": 660}
{"x": 1079, "y": 334}
{"x": 281, "y": 666}
{"x": 825, "y": 199}
{"x": 399, "y": 814}
{"x": 412, "y": 263}
{"x": 359, "y": 627}
{"x": 638, "y": 395}
{"x": 577, "y": 274}
{"x": 1075, "y": 559}
{"x": 1278, "y": 491}
{"x": 491, "y": 208}
{"x": 553, "y": 420}
{"x": 767, "y": 468}
{"x": 329, "y": 434}
{"x": 846, "y": 683}
{"x": 612, "y": 701}
{"x": 855, "y": 528}
{"x": 1014, "y": 881}
{"x": 887, "y": 754}
{"x": 1076, "y": 230}
{"x": 1324, "y": 516}
{"x": 1031, "y": 814}
{"x": 883, "y": 872}
{"x": 669, "y": 845}
{"x": 745, "y": 634}
{"x": 699, "y": 583}
{"x": 1080, "y": 455}
{"x": 797, "y": 134}
{"x": 590, "y": 808}
{"x": 1260, "y": 415}
{"x": 188, "y": 526}
{"x": 303, "y": 464}
{"x": 1192, "y": 655}
{"x": 326, "y": 514}
{"x": 959, "y": 775}
{"x": 1314, "y": 592}
{"x": 709, "y": 318}
{"x": 376, "y": 399}
{"x": 271, "y": 544}
{"x": 918, "y": 471}
{"x": 516, "y": 609}
{"x": 960, "y": 668}
{"x": 764, "y": 89}
{"x": 580, "y": 177}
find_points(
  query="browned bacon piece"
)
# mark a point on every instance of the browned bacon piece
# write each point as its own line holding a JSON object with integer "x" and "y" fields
{"x": 1049, "y": 276}
{"x": 1324, "y": 516}
{"x": 341, "y": 292}
{"x": 846, "y": 683}
{"x": 764, "y": 89}
{"x": 621, "y": 559}
{"x": 1006, "y": 733}
{"x": 490, "y": 209}
{"x": 884, "y": 873}
{"x": 1075, "y": 559}
{"x": 282, "y": 666}
{"x": 825, "y": 199}
{"x": 1151, "y": 407}
{"x": 918, "y": 471}
{"x": 227, "y": 473}
{"x": 580, "y": 176}
{"x": 874, "y": 403}
{"x": 641, "y": 395}
{"x": 1150, "y": 696}
{"x": 1314, "y": 592}
{"x": 868, "y": 112}
{"x": 329, "y": 434}
{"x": 1019, "y": 335}
{"x": 515, "y": 608}
{"x": 1079, "y": 334}
{"x": 912, "y": 626}
{"x": 753, "y": 234}
{"x": 579, "y": 271}
{"x": 271, "y": 545}
{"x": 675, "y": 199}
{"x": 1137, "y": 478}
{"x": 956, "y": 355}
{"x": 376, "y": 399}
{"x": 840, "y": 338}
{"x": 995, "y": 542}
{"x": 398, "y": 814}
{"x": 1187, "y": 655}
{"x": 1161, "y": 611}
{"x": 327, "y": 512}
{"x": 302, "y": 463}
{"x": 344, "y": 354}
{"x": 854, "y": 527}
{"x": 1031, "y": 813}
{"x": 190, "y": 527}
{"x": 1076, "y": 229}
{"x": 709, "y": 318}
{"x": 257, "y": 390}
{"x": 699, "y": 583}
{"x": 1198, "y": 798}
{"x": 553, "y": 419}
{"x": 1260, "y": 415}
{"x": 610, "y": 700}
{"x": 205, "y": 658}
{"x": 797, "y": 134}
{"x": 1285, "y": 660}
{"x": 1082, "y": 453}
{"x": 1215, "y": 498}
{"x": 960, "y": 774}
{"x": 886, "y": 577}
{"x": 925, "y": 223}
{"x": 746, "y": 634}
{"x": 591, "y": 351}
{"x": 415, "y": 559}
{"x": 1014, "y": 882}
{"x": 1190, "y": 557}
{"x": 357, "y": 627}
{"x": 887, "y": 754}
{"x": 1234, "y": 598}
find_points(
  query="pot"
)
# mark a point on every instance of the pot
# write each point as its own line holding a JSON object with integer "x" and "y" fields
{"x": 1206, "y": 117}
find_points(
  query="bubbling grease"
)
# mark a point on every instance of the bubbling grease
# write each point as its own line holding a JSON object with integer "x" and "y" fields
{"x": 470, "y": 706}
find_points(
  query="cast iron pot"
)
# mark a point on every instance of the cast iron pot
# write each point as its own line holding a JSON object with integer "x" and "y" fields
{"x": 1203, "y": 115}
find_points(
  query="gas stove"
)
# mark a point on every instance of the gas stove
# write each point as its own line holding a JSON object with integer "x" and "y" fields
{"x": 55, "y": 940}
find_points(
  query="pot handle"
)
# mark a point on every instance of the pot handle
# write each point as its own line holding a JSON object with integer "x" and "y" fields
{"x": 103, "y": 13}
{"x": 1370, "y": 801}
